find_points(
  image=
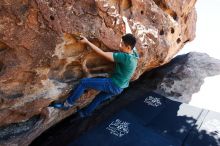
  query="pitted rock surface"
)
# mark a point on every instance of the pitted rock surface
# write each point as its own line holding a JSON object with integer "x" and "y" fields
{"x": 41, "y": 59}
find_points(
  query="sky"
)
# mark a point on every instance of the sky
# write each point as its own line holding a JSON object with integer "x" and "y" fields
{"x": 207, "y": 29}
{"x": 208, "y": 41}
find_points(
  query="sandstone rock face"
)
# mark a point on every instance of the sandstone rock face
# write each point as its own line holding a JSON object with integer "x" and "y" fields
{"x": 41, "y": 59}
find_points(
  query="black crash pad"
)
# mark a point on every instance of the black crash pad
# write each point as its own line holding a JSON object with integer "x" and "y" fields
{"x": 152, "y": 120}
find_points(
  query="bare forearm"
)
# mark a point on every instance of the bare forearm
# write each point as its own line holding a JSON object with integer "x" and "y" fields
{"x": 107, "y": 55}
{"x": 95, "y": 48}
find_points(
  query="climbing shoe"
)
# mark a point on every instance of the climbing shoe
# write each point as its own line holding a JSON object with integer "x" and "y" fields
{"x": 63, "y": 106}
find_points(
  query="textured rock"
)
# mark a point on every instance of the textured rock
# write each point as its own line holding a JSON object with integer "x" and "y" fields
{"x": 41, "y": 60}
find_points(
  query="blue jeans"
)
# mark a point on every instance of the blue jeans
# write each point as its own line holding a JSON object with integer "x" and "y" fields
{"x": 105, "y": 85}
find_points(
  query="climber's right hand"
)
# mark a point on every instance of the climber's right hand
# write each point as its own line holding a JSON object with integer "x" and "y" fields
{"x": 84, "y": 39}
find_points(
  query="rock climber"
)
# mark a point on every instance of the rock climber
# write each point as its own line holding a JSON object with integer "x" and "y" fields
{"x": 125, "y": 64}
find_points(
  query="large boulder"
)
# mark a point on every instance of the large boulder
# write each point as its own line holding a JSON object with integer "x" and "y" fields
{"x": 181, "y": 77}
{"x": 41, "y": 60}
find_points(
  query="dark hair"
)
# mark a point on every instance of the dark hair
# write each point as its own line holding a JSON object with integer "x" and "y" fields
{"x": 129, "y": 39}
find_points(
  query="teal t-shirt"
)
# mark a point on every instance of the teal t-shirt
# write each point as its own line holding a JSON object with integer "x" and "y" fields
{"x": 125, "y": 65}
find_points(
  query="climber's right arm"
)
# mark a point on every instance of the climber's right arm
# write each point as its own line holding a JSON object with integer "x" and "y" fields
{"x": 107, "y": 55}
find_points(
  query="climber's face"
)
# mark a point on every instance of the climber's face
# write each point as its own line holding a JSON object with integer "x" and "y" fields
{"x": 124, "y": 48}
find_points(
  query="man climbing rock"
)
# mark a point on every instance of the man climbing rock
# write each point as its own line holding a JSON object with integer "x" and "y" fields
{"x": 125, "y": 65}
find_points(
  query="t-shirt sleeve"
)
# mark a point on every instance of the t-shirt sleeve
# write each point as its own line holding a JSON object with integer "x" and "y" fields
{"x": 119, "y": 57}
